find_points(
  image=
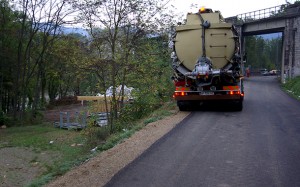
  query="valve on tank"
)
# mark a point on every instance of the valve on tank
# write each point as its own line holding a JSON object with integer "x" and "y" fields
{"x": 202, "y": 71}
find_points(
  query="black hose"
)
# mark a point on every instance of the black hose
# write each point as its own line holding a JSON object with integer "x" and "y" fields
{"x": 203, "y": 36}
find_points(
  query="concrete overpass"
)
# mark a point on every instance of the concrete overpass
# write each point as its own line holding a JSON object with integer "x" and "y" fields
{"x": 284, "y": 19}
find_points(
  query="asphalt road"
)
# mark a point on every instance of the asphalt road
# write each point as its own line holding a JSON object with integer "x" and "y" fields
{"x": 259, "y": 146}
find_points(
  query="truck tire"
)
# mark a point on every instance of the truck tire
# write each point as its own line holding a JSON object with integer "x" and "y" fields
{"x": 239, "y": 106}
{"x": 182, "y": 106}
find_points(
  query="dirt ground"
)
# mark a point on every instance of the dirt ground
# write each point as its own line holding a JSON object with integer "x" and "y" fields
{"x": 19, "y": 166}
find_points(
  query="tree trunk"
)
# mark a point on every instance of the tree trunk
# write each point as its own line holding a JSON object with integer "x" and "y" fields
{"x": 37, "y": 94}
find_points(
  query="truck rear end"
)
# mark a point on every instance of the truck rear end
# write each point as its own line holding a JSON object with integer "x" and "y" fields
{"x": 206, "y": 61}
{"x": 187, "y": 97}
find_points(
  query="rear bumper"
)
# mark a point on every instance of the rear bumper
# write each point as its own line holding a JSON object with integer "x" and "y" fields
{"x": 208, "y": 97}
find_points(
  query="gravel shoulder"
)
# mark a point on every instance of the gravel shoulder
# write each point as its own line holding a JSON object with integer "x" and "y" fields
{"x": 100, "y": 169}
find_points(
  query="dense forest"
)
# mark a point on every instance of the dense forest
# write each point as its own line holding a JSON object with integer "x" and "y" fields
{"x": 127, "y": 45}
{"x": 263, "y": 53}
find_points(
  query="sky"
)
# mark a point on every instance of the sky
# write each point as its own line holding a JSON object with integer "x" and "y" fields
{"x": 227, "y": 8}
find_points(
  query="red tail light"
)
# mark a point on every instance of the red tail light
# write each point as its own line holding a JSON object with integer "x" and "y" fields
{"x": 179, "y": 94}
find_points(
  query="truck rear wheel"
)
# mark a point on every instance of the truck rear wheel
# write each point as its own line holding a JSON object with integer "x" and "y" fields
{"x": 239, "y": 106}
{"x": 183, "y": 106}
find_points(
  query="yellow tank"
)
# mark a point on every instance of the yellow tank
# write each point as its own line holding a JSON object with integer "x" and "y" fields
{"x": 220, "y": 42}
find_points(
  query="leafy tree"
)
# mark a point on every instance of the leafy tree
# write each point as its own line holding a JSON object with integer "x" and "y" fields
{"x": 118, "y": 27}
{"x": 8, "y": 54}
{"x": 63, "y": 75}
{"x": 30, "y": 28}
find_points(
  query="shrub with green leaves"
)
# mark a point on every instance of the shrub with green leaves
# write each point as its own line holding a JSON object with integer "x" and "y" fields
{"x": 292, "y": 86}
{"x": 95, "y": 135}
{"x": 5, "y": 119}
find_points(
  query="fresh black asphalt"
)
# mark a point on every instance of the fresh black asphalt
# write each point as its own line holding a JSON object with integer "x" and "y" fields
{"x": 259, "y": 146}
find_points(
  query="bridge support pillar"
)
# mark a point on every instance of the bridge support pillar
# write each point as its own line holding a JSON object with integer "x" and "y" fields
{"x": 283, "y": 70}
{"x": 291, "y": 46}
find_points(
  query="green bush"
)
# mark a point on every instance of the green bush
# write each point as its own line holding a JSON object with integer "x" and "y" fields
{"x": 95, "y": 135}
{"x": 143, "y": 104}
{"x": 1, "y": 118}
{"x": 292, "y": 86}
{"x": 5, "y": 119}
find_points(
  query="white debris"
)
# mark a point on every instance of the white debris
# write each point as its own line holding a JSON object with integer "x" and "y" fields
{"x": 95, "y": 149}
{"x": 127, "y": 90}
{"x": 51, "y": 142}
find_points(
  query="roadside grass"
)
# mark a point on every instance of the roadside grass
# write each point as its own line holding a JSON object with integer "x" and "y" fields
{"x": 67, "y": 147}
{"x": 292, "y": 87}
{"x": 73, "y": 147}
{"x": 166, "y": 110}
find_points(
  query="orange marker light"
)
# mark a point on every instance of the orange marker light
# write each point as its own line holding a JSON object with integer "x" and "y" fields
{"x": 202, "y": 9}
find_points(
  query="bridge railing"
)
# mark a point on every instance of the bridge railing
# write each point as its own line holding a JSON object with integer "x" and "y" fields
{"x": 262, "y": 14}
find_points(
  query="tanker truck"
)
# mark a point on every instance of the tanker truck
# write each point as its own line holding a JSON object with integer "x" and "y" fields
{"x": 206, "y": 61}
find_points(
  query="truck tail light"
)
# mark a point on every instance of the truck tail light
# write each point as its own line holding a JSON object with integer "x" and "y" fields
{"x": 179, "y": 94}
{"x": 235, "y": 92}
